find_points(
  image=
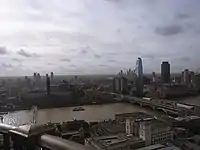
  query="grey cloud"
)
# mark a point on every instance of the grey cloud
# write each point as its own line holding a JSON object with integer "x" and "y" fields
{"x": 3, "y": 50}
{"x": 73, "y": 65}
{"x": 6, "y": 65}
{"x": 84, "y": 51}
{"x": 17, "y": 60}
{"x": 184, "y": 59}
{"x": 51, "y": 64}
{"x": 111, "y": 60}
{"x": 89, "y": 50}
{"x": 24, "y": 53}
{"x": 148, "y": 56}
{"x": 169, "y": 30}
{"x": 65, "y": 59}
{"x": 112, "y": 53}
{"x": 182, "y": 16}
{"x": 103, "y": 65}
{"x": 97, "y": 56}
{"x": 115, "y": 1}
{"x": 118, "y": 30}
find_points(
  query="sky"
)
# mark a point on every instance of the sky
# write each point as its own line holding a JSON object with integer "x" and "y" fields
{"x": 97, "y": 36}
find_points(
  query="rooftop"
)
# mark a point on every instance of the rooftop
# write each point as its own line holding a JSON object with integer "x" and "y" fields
{"x": 108, "y": 141}
{"x": 160, "y": 147}
{"x": 108, "y": 128}
{"x": 135, "y": 116}
{"x": 187, "y": 118}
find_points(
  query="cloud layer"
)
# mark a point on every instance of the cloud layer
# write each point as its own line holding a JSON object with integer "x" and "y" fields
{"x": 97, "y": 37}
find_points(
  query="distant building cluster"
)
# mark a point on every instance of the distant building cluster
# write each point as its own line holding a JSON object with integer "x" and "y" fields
{"x": 163, "y": 85}
{"x": 131, "y": 81}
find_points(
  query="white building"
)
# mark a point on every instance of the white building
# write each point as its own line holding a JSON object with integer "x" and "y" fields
{"x": 155, "y": 132}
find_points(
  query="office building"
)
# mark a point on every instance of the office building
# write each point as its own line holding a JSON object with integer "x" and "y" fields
{"x": 52, "y": 76}
{"x": 154, "y": 132}
{"x": 117, "y": 85}
{"x": 48, "y": 83}
{"x": 38, "y": 77}
{"x": 133, "y": 125}
{"x": 165, "y": 72}
{"x": 139, "y": 73}
{"x": 192, "y": 77}
{"x": 115, "y": 142}
{"x": 186, "y": 76}
{"x": 154, "y": 80}
{"x": 124, "y": 85}
{"x": 34, "y": 75}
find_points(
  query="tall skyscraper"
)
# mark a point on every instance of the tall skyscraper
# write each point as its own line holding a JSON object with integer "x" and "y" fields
{"x": 52, "y": 76}
{"x": 186, "y": 76}
{"x": 48, "y": 83}
{"x": 165, "y": 72}
{"x": 139, "y": 73}
{"x": 34, "y": 76}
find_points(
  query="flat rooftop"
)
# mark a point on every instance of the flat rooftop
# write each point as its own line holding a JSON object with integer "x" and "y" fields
{"x": 108, "y": 141}
{"x": 135, "y": 115}
{"x": 159, "y": 147}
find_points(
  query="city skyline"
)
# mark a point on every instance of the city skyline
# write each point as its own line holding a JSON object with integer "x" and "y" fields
{"x": 101, "y": 37}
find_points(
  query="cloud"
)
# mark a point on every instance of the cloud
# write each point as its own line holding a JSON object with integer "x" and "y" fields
{"x": 83, "y": 52}
{"x": 6, "y": 65}
{"x": 74, "y": 29}
{"x": 24, "y": 53}
{"x": 102, "y": 65}
{"x": 97, "y": 56}
{"x": 65, "y": 59}
{"x": 148, "y": 56}
{"x": 184, "y": 59}
{"x": 87, "y": 50}
{"x": 3, "y": 50}
{"x": 169, "y": 30}
{"x": 73, "y": 65}
{"x": 111, "y": 60}
{"x": 182, "y": 16}
{"x": 17, "y": 60}
{"x": 51, "y": 64}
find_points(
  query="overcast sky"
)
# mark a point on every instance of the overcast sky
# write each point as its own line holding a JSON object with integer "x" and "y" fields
{"x": 97, "y": 36}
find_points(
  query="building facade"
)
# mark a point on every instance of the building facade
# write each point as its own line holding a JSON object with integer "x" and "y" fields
{"x": 165, "y": 72}
{"x": 155, "y": 132}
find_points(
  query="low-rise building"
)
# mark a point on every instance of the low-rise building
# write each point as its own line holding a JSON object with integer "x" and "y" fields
{"x": 189, "y": 143}
{"x": 115, "y": 142}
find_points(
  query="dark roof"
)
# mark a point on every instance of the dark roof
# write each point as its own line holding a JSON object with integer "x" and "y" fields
{"x": 135, "y": 115}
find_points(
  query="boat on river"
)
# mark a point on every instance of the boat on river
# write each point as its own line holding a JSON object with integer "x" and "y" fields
{"x": 78, "y": 109}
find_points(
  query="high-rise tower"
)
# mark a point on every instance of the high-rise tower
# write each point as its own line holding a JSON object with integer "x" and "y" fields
{"x": 165, "y": 72}
{"x": 139, "y": 73}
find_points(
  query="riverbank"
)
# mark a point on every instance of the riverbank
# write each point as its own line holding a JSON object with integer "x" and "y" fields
{"x": 55, "y": 104}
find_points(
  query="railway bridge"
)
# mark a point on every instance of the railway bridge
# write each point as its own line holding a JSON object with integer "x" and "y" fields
{"x": 167, "y": 106}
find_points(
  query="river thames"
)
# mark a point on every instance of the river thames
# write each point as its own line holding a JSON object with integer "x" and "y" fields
{"x": 91, "y": 113}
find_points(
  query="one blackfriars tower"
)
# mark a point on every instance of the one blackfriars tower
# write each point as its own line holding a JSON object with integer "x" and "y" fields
{"x": 139, "y": 73}
{"x": 165, "y": 72}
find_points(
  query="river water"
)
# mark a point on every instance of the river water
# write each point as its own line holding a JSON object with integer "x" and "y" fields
{"x": 91, "y": 113}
